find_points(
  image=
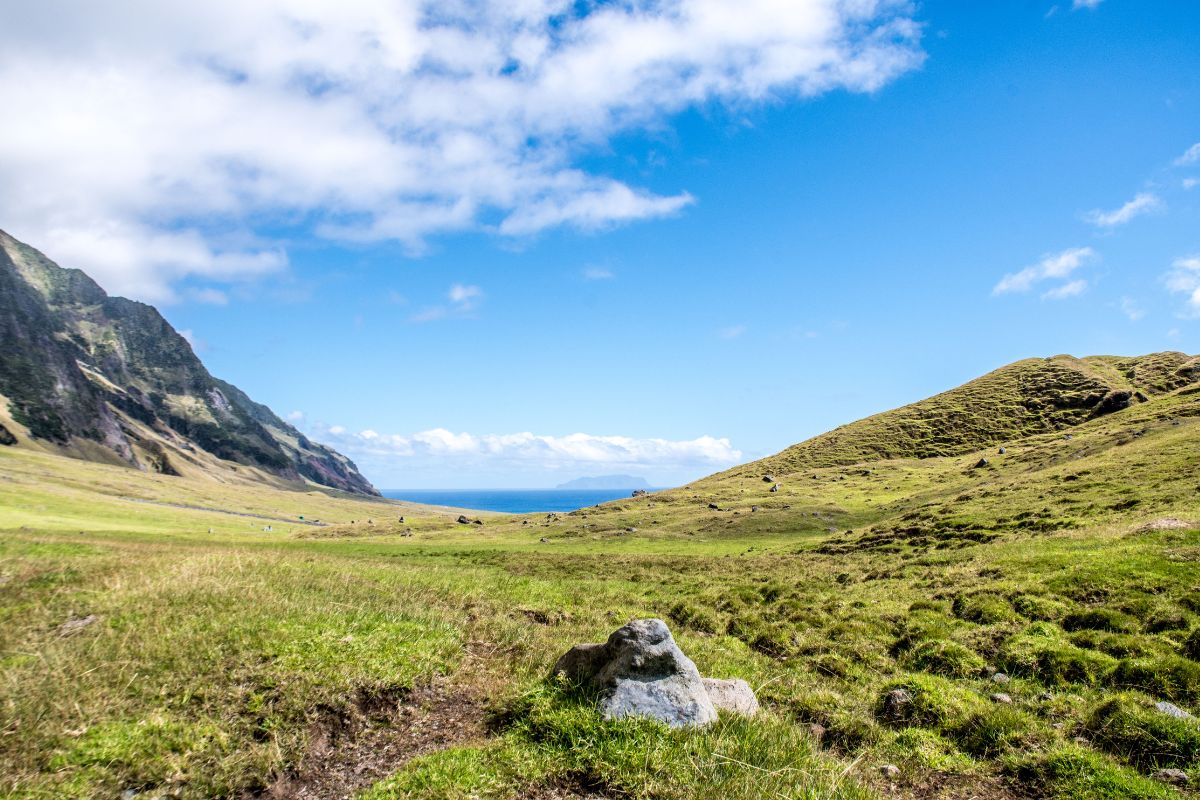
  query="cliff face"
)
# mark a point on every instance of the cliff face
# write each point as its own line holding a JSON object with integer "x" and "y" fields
{"x": 108, "y": 378}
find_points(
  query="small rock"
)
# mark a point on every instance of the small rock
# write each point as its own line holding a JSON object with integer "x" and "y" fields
{"x": 631, "y": 529}
{"x": 1002, "y": 451}
{"x": 768, "y": 478}
{"x": 543, "y": 540}
{"x": 76, "y": 624}
{"x": 640, "y": 492}
{"x": 1045, "y": 697}
{"x": 1000, "y": 677}
{"x": 1172, "y": 710}
{"x": 775, "y": 488}
{"x": 463, "y": 520}
{"x": 896, "y": 704}
{"x": 478, "y": 522}
{"x": 1001, "y": 697}
{"x": 817, "y": 731}
{"x": 714, "y": 506}
{"x": 1174, "y": 777}
{"x": 1081, "y": 740}
{"x": 890, "y": 771}
{"x": 754, "y": 508}
{"x": 981, "y": 463}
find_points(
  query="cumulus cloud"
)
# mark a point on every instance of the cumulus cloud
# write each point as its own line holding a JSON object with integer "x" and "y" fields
{"x": 1051, "y": 266}
{"x": 1190, "y": 156}
{"x": 1072, "y": 289}
{"x": 1090, "y": 5}
{"x": 1184, "y": 279}
{"x": 1142, "y": 203}
{"x": 550, "y": 452}
{"x": 150, "y": 143}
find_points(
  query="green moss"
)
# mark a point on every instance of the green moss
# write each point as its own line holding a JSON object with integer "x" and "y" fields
{"x": 1133, "y": 729}
{"x": 1042, "y": 652}
{"x": 984, "y": 608}
{"x": 1168, "y": 677}
{"x": 942, "y": 657}
{"x": 1072, "y": 772}
{"x": 1041, "y": 607}
{"x": 1100, "y": 619}
{"x": 995, "y": 730}
{"x": 1119, "y": 645}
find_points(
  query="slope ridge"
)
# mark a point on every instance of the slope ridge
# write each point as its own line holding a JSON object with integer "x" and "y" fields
{"x": 106, "y": 378}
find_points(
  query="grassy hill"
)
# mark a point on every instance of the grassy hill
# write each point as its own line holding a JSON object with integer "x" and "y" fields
{"x": 381, "y": 658}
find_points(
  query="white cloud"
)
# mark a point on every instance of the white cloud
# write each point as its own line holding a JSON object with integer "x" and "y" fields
{"x": 463, "y": 300}
{"x": 553, "y": 452}
{"x": 1190, "y": 156}
{"x": 597, "y": 274}
{"x": 1051, "y": 266}
{"x": 1131, "y": 309}
{"x": 1090, "y": 5}
{"x": 732, "y": 332}
{"x": 1190, "y": 183}
{"x": 197, "y": 344}
{"x": 1142, "y": 203}
{"x": 1072, "y": 289}
{"x": 209, "y": 295}
{"x": 1184, "y": 278}
{"x": 152, "y": 138}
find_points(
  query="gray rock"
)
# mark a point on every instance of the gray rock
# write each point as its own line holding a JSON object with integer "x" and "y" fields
{"x": 890, "y": 771}
{"x": 1001, "y": 697}
{"x": 641, "y": 672}
{"x": 714, "y": 506}
{"x": 1000, "y": 677}
{"x": 775, "y": 488}
{"x": 981, "y": 463}
{"x": 1172, "y": 710}
{"x": 896, "y": 704}
{"x": 1174, "y": 777}
{"x": 817, "y": 731}
{"x": 76, "y": 624}
{"x": 768, "y": 478}
{"x": 463, "y": 520}
{"x": 733, "y": 695}
{"x": 1002, "y": 451}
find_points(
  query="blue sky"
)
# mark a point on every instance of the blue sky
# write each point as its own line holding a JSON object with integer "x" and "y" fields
{"x": 680, "y": 262}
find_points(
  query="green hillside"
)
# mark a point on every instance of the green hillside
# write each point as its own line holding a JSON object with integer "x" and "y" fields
{"x": 1029, "y": 613}
{"x": 1022, "y": 399}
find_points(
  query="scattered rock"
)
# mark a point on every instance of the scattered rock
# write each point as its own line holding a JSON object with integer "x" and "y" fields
{"x": 1174, "y": 777}
{"x": 543, "y": 540}
{"x": 896, "y": 704}
{"x": 462, "y": 520}
{"x": 1000, "y": 677}
{"x": 76, "y": 624}
{"x": 768, "y": 478}
{"x": 1002, "y": 451}
{"x": 640, "y": 493}
{"x": 1081, "y": 740}
{"x": 1045, "y": 697}
{"x": 1172, "y": 710}
{"x": 980, "y": 464}
{"x": 631, "y": 529}
{"x": 641, "y": 672}
{"x": 6, "y": 437}
{"x": 1001, "y": 697}
{"x": 714, "y": 506}
{"x": 890, "y": 771}
{"x": 477, "y": 522}
{"x": 775, "y": 488}
{"x": 754, "y": 508}
{"x": 817, "y": 731}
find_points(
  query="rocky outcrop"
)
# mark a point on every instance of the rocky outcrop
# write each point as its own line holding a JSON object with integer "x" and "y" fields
{"x": 641, "y": 672}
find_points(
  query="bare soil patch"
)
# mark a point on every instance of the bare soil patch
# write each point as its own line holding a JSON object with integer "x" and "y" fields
{"x": 353, "y": 748}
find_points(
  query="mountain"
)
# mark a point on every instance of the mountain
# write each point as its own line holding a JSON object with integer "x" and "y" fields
{"x": 1026, "y": 398}
{"x": 108, "y": 379}
{"x": 606, "y": 482}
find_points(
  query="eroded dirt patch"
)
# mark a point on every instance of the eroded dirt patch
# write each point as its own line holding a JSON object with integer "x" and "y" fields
{"x": 574, "y": 786}
{"x": 377, "y": 734}
{"x": 946, "y": 786}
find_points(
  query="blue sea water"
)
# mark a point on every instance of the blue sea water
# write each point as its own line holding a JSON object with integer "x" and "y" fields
{"x": 512, "y": 501}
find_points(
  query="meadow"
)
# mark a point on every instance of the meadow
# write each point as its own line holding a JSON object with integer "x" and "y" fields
{"x": 990, "y": 630}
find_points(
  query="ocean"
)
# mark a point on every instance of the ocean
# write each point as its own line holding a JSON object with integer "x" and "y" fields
{"x": 512, "y": 501}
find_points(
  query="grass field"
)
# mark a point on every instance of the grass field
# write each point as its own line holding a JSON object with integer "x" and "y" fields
{"x": 153, "y": 645}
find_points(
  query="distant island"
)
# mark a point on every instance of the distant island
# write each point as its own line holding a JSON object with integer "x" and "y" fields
{"x": 606, "y": 482}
